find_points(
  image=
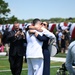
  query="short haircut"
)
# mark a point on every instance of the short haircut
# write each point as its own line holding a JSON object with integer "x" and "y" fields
{"x": 35, "y": 21}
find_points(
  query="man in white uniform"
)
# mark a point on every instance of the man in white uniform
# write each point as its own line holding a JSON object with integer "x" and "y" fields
{"x": 34, "y": 52}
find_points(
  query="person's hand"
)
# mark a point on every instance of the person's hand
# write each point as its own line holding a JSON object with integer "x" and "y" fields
{"x": 17, "y": 33}
{"x": 22, "y": 34}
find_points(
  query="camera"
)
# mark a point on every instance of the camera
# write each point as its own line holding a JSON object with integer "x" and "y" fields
{"x": 20, "y": 30}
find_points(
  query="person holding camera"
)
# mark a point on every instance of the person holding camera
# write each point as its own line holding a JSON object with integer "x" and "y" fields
{"x": 16, "y": 39}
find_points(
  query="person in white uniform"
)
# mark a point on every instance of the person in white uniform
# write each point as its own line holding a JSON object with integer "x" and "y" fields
{"x": 34, "y": 52}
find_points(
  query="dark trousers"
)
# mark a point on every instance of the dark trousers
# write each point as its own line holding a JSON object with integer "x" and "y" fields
{"x": 46, "y": 69}
{"x": 16, "y": 64}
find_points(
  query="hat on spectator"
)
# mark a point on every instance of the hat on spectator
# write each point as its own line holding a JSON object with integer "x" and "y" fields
{"x": 27, "y": 24}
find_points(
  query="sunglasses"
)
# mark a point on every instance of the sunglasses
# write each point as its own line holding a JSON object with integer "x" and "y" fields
{"x": 44, "y": 24}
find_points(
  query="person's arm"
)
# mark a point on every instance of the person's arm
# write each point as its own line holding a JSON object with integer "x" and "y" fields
{"x": 69, "y": 61}
{"x": 38, "y": 28}
{"x": 11, "y": 36}
{"x": 41, "y": 38}
{"x": 23, "y": 37}
{"x": 32, "y": 27}
{"x": 45, "y": 31}
{"x": 48, "y": 34}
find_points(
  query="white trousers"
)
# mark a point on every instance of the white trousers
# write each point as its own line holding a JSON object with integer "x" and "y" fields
{"x": 35, "y": 66}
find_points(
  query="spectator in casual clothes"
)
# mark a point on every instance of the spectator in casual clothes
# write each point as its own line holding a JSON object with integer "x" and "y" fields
{"x": 59, "y": 39}
{"x": 4, "y": 40}
{"x": 57, "y": 42}
{"x": 70, "y": 58}
{"x": 63, "y": 43}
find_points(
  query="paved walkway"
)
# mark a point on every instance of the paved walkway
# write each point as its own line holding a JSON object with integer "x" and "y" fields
{"x": 58, "y": 59}
{"x": 2, "y": 53}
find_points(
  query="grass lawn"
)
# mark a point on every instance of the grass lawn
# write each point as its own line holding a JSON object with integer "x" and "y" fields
{"x": 63, "y": 55}
{"x": 4, "y": 65}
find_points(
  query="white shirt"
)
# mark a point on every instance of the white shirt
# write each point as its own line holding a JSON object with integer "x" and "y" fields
{"x": 48, "y": 33}
{"x": 34, "y": 46}
{"x": 59, "y": 36}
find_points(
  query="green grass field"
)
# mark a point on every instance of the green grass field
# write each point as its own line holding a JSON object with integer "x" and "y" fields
{"x": 4, "y": 65}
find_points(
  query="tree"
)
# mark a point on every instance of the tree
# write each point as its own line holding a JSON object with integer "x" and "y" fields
{"x": 21, "y": 21}
{"x": 4, "y": 10}
{"x": 12, "y": 19}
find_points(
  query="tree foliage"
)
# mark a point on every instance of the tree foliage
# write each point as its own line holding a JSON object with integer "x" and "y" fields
{"x": 55, "y": 20}
{"x": 4, "y": 10}
{"x": 12, "y": 19}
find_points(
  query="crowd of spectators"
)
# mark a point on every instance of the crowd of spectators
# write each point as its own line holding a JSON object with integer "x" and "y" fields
{"x": 63, "y": 38}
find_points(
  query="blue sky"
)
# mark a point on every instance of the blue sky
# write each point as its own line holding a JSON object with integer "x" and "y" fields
{"x": 43, "y": 9}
